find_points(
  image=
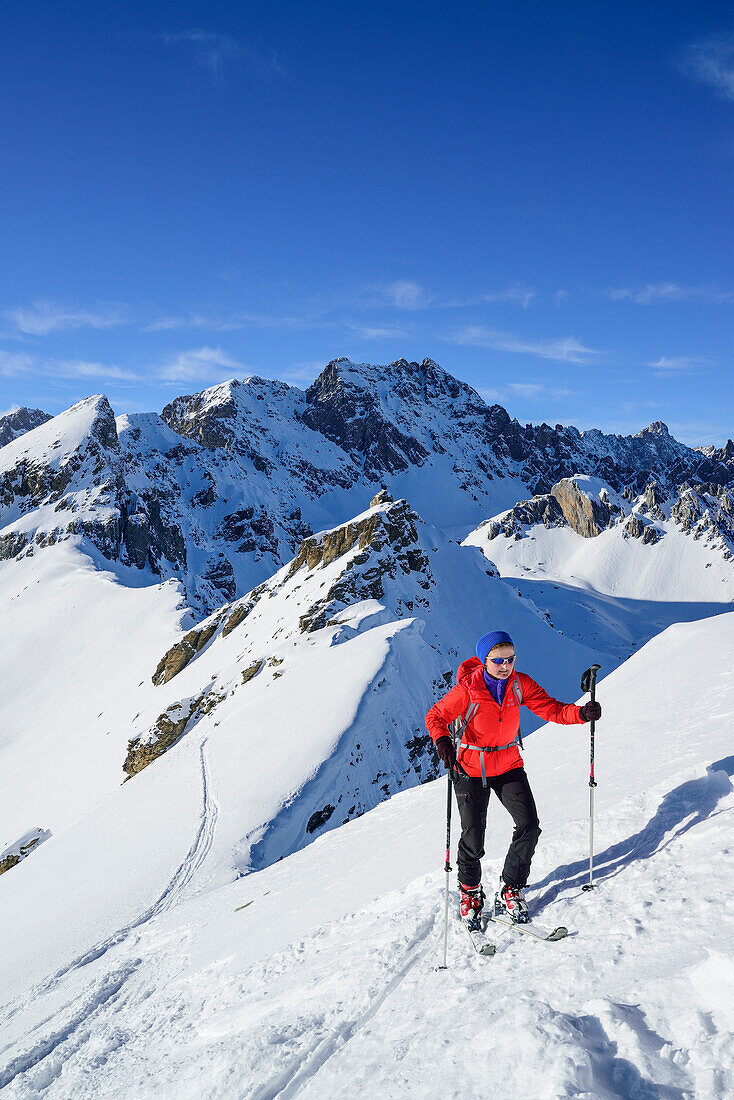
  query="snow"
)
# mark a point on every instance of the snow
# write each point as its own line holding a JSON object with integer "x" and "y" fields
{"x": 74, "y": 646}
{"x": 259, "y": 912}
{"x": 53, "y": 442}
{"x": 678, "y": 568}
{"x": 316, "y": 975}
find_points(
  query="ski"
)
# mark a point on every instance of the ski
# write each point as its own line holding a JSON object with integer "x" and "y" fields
{"x": 481, "y": 944}
{"x": 530, "y": 928}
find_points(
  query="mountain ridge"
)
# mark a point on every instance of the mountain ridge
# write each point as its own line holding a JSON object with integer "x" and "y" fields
{"x": 220, "y": 489}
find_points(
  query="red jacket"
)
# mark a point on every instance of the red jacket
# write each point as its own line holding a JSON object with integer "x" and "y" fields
{"x": 491, "y": 724}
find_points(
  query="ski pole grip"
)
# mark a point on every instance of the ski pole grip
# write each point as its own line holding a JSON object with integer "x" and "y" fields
{"x": 588, "y": 680}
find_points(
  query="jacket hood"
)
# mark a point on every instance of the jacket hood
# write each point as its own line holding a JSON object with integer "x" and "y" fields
{"x": 470, "y": 674}
{"x": 466, "y": 668}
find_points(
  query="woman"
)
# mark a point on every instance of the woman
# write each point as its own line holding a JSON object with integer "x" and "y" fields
{"x": 490, "y": 691}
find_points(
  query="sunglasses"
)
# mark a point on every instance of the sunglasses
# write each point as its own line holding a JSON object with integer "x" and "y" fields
{"x": 503, "y": 660}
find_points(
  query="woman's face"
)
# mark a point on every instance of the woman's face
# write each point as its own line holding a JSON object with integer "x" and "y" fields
{"x": 504, "y": 670}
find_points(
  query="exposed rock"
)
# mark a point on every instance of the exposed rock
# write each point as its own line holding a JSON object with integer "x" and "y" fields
{"x": 654, "y": 499}
{"x": 198, "y": 417}
{"x": 383, "y": 497}
{"x": 12, "y": 544}
{"x": 220, "y": 574}
{"x": 707, "y": 512}
{"x": 350, "y": 415}
{"x": 238, "y": 616}
{"x": 543, "y": 509}
{"x": 167, "y": 730}
{"x": 388, "y": 543}
{"x": 319, "y": 818}
{"x": 179, "y": 655}
{"x": 640, "y": 528}
{"x": 587, "y": 517}
{"x": 249, "y": 673}
{"x": 21, "y": 848}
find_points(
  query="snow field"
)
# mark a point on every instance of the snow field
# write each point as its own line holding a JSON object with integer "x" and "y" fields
{"x": 677, "y": 568}
{"x": 74, "y": 647}
{"x": 317, "y": 975}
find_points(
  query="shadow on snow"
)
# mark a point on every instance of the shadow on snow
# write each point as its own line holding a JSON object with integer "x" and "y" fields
{"x": 688, "y": 805}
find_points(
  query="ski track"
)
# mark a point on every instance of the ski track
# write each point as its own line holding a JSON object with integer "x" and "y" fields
{"x": 295, "y": 1077}
{"x": 106, "y": 992}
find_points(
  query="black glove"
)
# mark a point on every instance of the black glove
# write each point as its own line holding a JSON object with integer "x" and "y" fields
{"x": 590, "y": 712}
{"x": 446, "y": 752}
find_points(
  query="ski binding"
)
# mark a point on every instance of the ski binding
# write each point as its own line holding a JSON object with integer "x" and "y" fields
{"x": 481, "y": 944}
{"x": 530, "y": 928}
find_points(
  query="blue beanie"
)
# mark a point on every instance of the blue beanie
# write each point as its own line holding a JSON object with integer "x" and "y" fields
{"x": 487, "y": 642}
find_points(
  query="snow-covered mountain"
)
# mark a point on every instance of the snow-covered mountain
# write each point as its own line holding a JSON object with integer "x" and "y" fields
{"x": 220, "y": 489}
{"x": 647, "y": 546}
{"x": 323, "y": 673}
{"x": 222, "y": 627}
{"x": 19, "y": 421}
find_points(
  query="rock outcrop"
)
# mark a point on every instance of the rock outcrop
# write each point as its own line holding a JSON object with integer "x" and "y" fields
{"x": 566, "y": 505}
{"x": 583, "y": 514}
{"x": 167, "y": 730}
{"x": 388, "y": 543}
{"x": 22, "y": 848}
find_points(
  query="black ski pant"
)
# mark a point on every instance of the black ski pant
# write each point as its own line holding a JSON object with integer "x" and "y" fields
{"x": 513, "y": 791}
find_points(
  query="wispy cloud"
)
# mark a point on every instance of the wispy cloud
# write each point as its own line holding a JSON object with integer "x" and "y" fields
{"x": 535, "y": 390}
{"x": 44, "y": 317}
{"x": 13, "y": 365}
{"x": 492, "y": 396}
{"x": 196, "y": 364}
{"x": 215, "y": 52}
{"x": 235, "y": 321}
{"x": 680, "y": 364}
{"x": 405, "y": 294}
{"x": 378, "y": 332}
{"x": 711, "y": 61}
{"x": 306, "y": 371}
{"x": 79, "y": 368}
{"x": 565, "y": 349}
{"x": 518, "y": 294}
{"x": 670, "y": 292}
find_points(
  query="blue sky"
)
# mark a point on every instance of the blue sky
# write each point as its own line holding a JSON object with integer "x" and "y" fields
{"x": 538, "y": 198}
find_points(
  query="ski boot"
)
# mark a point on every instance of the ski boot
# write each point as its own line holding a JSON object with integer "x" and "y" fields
{"x": 511, "y": 900}
{"x": 472, "y": 900}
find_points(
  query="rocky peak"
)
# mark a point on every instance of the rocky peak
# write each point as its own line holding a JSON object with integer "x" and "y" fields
{"x": 344, "y": 405}
{"x": 656, "y": 428}
{"x": 104, "y": 425}
{"x": 19, "y": 421}
{"x": 204, "y": 416}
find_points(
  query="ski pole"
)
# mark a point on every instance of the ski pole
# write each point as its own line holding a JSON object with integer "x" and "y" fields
{"x": 447, "y": 869}
{"x": 588, "y": 683}
{"x": 457, "y": 732}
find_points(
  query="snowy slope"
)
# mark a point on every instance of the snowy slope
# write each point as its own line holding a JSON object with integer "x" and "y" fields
{"x": 74, "y": 646}
{"x": 663, "y": 560}
{"x": 316, "y": 976}
{"x": 310, "y": 695}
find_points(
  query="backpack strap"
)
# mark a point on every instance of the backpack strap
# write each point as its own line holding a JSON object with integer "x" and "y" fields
{"x": 459, "y": 724}
{"x": 517, "y": 691}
